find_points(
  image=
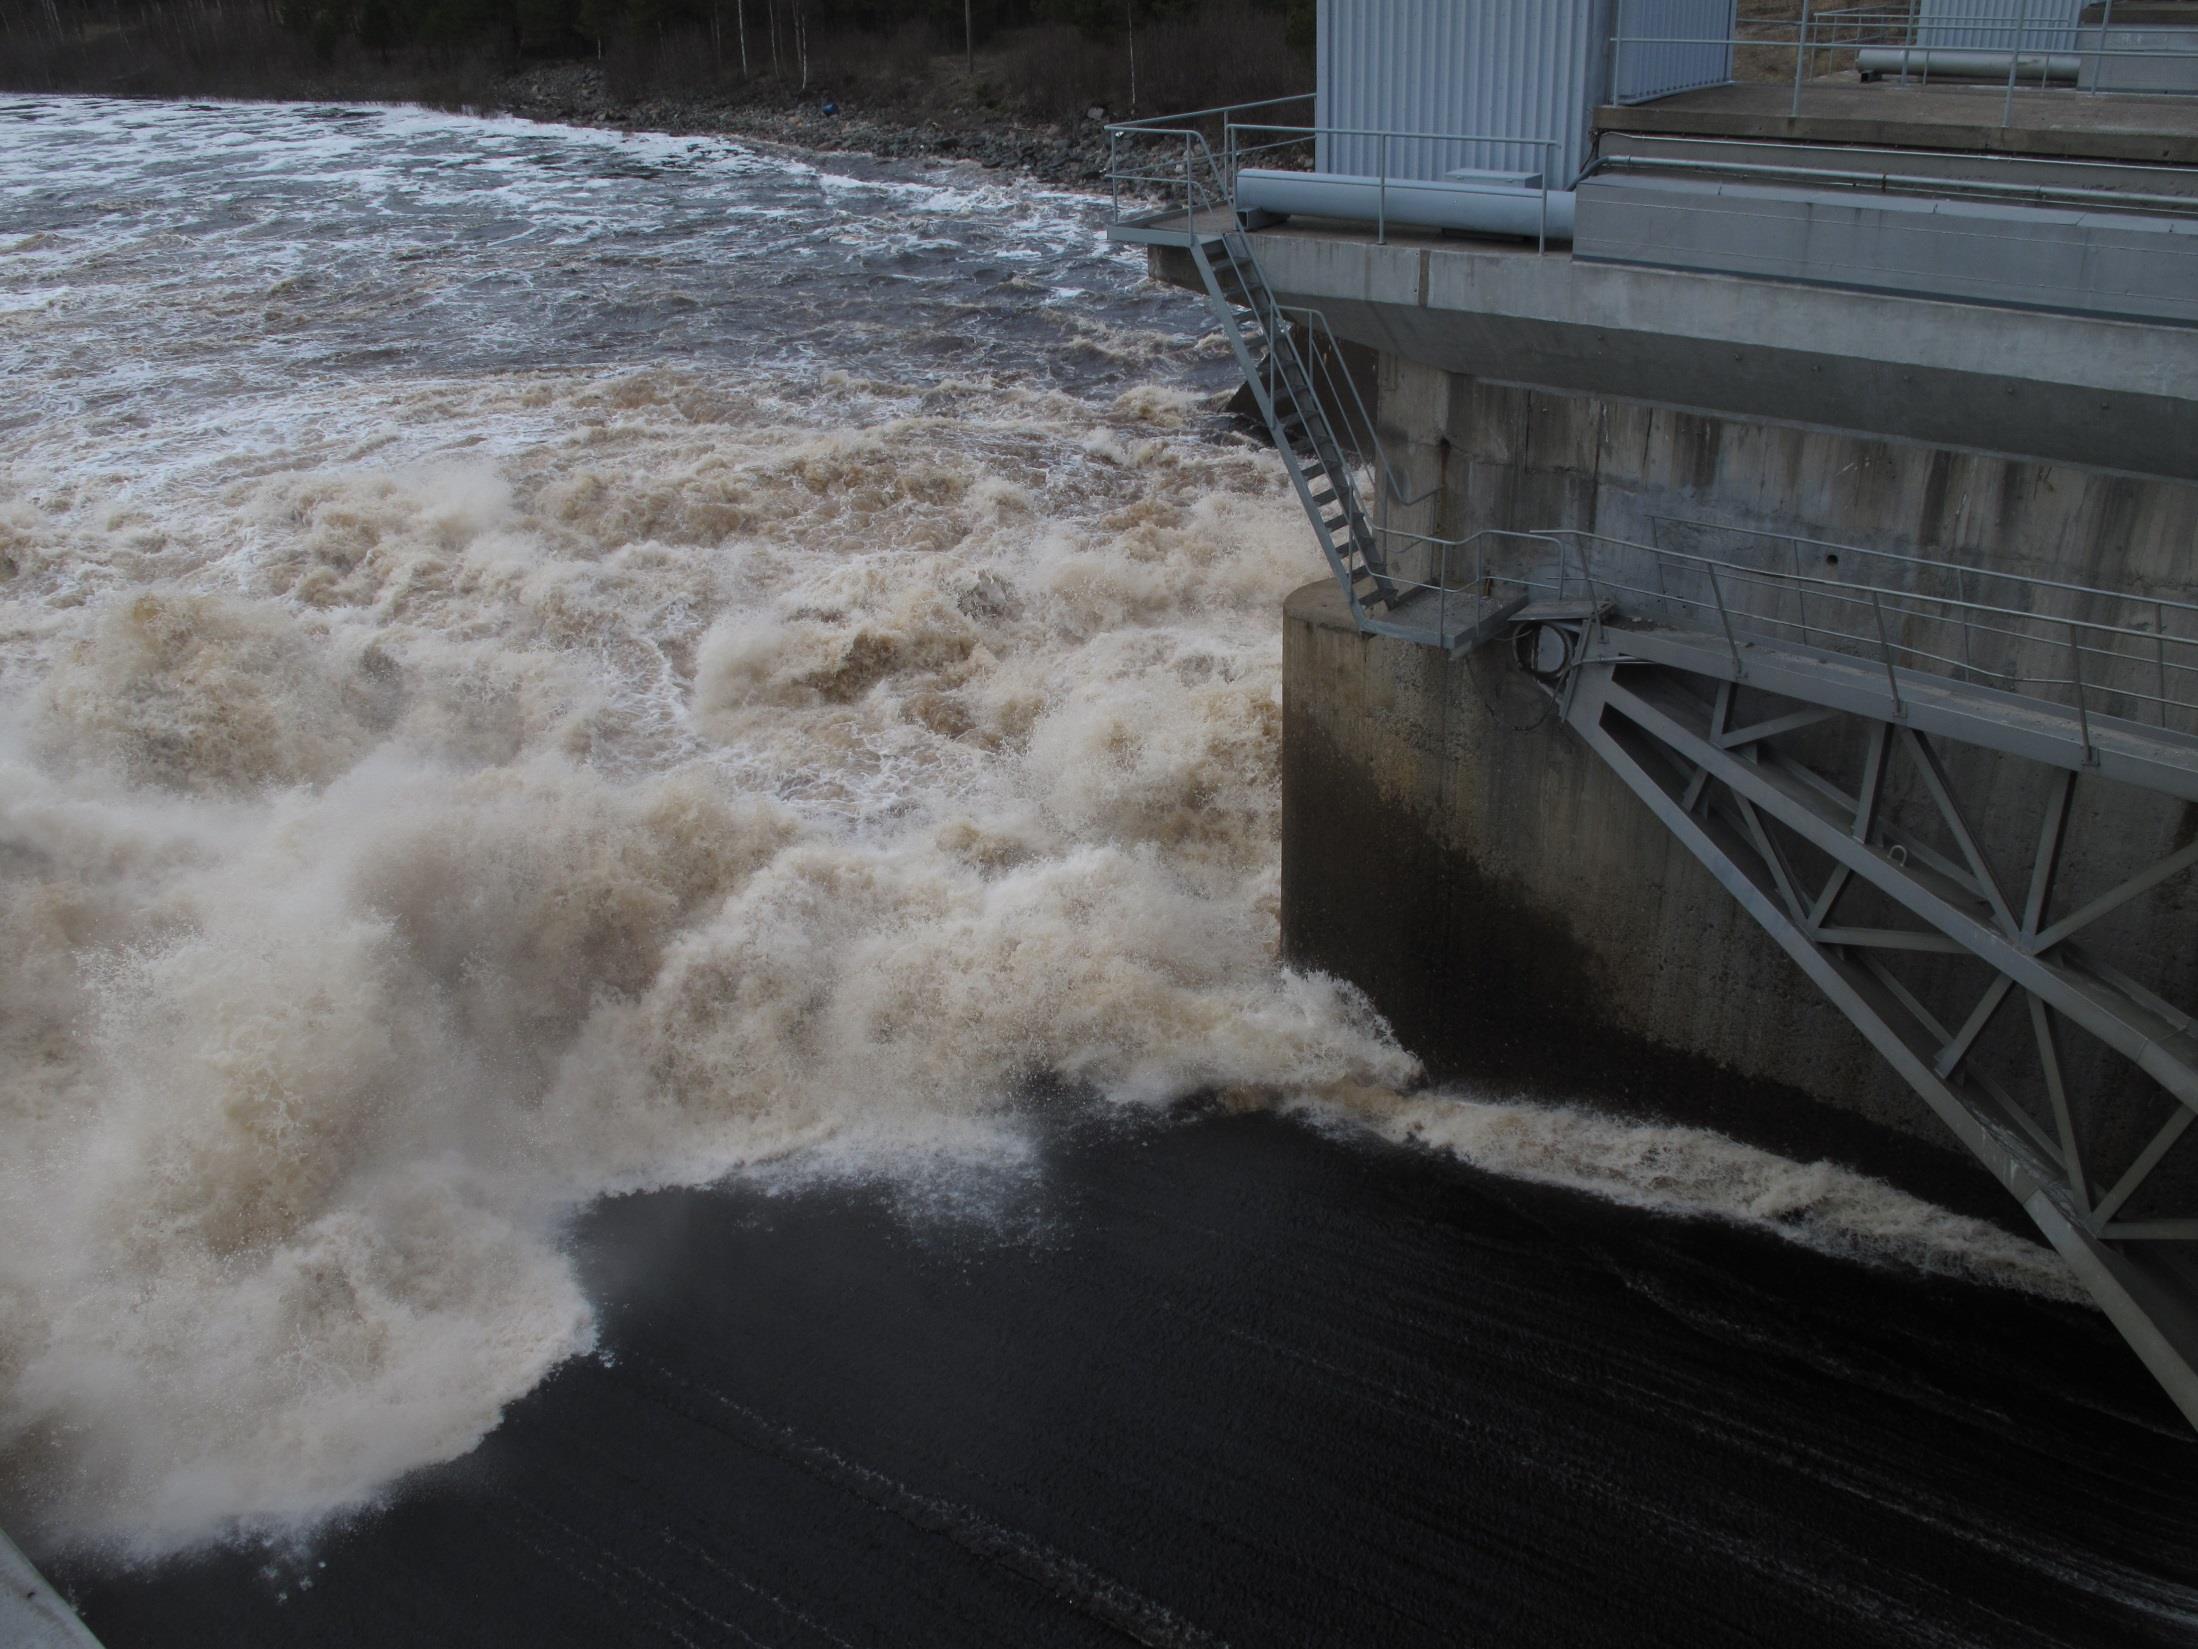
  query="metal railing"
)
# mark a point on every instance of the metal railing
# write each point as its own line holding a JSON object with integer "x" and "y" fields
{"x": 1187, "y": 164}
{"x": 2031, "y": 179}
{"x": 1192, "y": 180}
{"x": 1338, "y": 392}
{"x": 1156, "y": 159}
{"x": 2042, "y": 47}
{"x": 2009, "y": 632}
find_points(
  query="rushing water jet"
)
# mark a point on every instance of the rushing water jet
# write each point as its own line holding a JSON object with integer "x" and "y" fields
{"x": 458, "y": 765}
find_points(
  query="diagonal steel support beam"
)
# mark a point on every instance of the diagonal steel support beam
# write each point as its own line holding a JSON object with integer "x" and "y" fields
{"x": 2056, "y": 1093}
{"x": 2047, "y": 866}
{"x": 1757, "y": 732}
{"x": 2141, "y": 1170}
{"x": 2143, "y": 882}
{"x": 2156, "y": 1318}
{"x": 1950, "y": 1057}
{"x": 2123, "y": 1024}
{"x": 1934, "y": 777}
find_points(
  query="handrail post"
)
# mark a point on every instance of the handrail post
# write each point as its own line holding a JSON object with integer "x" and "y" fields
{"x": 1801, "y": 589}
{"x": 1442, "y": 599}
{"x": 1618, "y": 52}
{"x": 2159, "y": 640}
{"x": 2083, "y": 712}
{"x": 1594, "y": 597}
{"x": 1724, "y": 617}
{"x": 1961, "y": 594}
{"x": 1885, "y": 652}
{"x": 1801, "y": 55}
{"x": 2014, "y": 67}
{"x": 1549, "y": 160}
{"x": 1381, "y": 197}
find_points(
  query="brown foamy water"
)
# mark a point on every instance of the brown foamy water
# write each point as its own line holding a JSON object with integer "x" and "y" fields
{"x": 537, "y": 663}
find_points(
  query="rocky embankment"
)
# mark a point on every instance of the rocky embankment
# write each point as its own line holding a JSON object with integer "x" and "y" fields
{"x": 1074, "y": 156}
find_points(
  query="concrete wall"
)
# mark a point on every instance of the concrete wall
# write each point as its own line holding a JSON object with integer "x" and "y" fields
{"x": 1523, "y": 458}
{"x": 2068, "y": 389}
{"x": 2016, "y": 253}
{"x": 1451, "y": 847}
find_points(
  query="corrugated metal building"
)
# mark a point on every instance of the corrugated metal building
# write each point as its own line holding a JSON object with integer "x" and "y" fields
{"x": 1999, "y": 25}
{"x": 1510, "y": 76}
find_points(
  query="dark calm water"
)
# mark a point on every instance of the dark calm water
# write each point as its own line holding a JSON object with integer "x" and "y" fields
{"x": 1231, "y": 1381}
{"x": 582, "y": 719}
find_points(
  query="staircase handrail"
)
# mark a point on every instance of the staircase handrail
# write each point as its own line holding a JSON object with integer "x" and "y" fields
{"x": 1346, "y": 391}
{"x": 1341, "y": 389}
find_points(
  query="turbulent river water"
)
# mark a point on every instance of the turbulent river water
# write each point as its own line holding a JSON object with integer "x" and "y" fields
{"x": 539, "y": 663}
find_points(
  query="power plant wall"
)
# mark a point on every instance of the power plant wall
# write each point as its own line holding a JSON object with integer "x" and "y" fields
{"x": 1525, "y": 69}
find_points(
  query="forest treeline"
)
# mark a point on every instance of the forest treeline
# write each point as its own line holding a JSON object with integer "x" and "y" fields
{"x": 1045, "y": 58}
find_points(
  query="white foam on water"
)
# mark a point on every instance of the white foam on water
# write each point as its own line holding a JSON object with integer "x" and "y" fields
{"x": 1695, "y": 1173}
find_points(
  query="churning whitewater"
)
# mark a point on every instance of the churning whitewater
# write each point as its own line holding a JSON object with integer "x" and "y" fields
{"x": 536, "y": 663}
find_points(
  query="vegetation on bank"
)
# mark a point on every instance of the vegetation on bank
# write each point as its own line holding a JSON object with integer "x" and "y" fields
{"x": 1020, "y": 59}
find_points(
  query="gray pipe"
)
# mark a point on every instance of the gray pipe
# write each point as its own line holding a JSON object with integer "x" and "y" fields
{"x": 1948, "y": 62}
{"x": 1415, "y": 203}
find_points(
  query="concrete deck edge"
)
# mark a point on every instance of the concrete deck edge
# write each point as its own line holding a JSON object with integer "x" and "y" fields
{"x": 32, "y": 1614}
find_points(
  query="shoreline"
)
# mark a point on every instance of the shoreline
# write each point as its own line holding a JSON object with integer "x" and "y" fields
{"x": 1070, "y": 156}
{"x": 1046, "y": 152}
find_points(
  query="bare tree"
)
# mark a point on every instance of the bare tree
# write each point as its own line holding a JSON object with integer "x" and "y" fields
{"x": 969, "y": 39}
{"x": 740, "y": 26}
{"x": 1130, "y": 11}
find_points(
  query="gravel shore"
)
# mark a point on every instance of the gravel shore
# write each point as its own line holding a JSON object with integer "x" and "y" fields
{"x": 1072, "y": 156}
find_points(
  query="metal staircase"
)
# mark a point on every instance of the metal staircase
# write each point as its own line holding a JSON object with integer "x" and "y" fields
{"x": 1284, "y": 386}
{"x": 1179, "y": 195}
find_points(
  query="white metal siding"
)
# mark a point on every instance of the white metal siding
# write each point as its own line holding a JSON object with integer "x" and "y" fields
{"x": 1517, "y": 68}
{"x": 1671, "y": 46}
{"x": 1998, "y": 25}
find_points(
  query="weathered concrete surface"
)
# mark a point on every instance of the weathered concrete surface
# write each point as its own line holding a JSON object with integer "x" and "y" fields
{"x": 1452, "y": 849}
{"x": 1449, "y": 846}
{"x": 2068, "y": 389}
{"x": 1525, "y": 458}
{"x": 32, "y": 1614}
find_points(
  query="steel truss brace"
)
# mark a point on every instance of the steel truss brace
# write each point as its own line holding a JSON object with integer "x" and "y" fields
{"x": 1733, "y": 799}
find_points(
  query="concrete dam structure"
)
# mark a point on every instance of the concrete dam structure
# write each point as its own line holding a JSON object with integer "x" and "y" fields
{"x": 1763, "y": 641}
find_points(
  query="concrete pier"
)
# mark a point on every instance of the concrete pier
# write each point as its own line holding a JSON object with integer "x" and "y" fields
{"x": 1452, "y": 849}
{"x": 1449, "y": 846}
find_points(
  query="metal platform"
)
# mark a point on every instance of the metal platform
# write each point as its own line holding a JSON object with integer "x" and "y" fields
{"x": 1732, "y": 744}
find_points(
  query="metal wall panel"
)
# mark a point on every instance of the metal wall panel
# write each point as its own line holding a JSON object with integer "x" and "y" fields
{"x": 2119, "y": 264}
{"x": 1999, "y": 25}
{"x": 1511, "y": 68}
{"x": 1667, "y": 46}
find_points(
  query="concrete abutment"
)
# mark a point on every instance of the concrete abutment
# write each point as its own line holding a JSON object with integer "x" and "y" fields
{"x": 1450, "y": 847}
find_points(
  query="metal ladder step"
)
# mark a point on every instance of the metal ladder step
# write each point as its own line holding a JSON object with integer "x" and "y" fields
{"x": 1287, "y": 389}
